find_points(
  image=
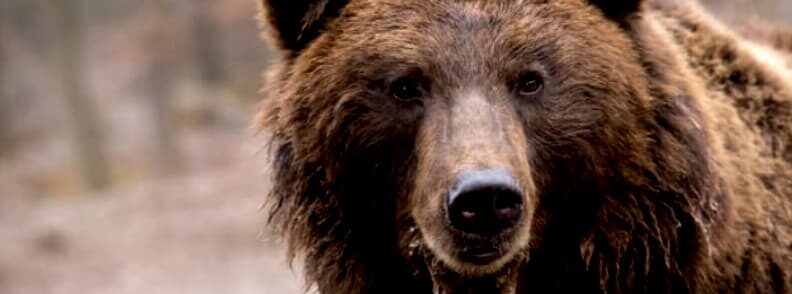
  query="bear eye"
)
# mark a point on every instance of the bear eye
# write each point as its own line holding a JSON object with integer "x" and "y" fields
{"x": 530, "y": 84}
{"x": 406, "y": 89}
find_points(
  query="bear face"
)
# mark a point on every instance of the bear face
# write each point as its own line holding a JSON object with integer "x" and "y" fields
{"x": 465, "y": 136}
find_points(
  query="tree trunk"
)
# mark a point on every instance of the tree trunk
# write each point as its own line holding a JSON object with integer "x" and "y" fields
{"x": 88, "y": 140}
{"x": 167, "y": 152}
{"x": 208, "y": 54}
{"x": 5, "y": 8}
{"x": 160, "y": 77}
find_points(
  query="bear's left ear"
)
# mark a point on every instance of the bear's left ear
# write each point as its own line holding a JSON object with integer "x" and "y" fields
{"x": 618, "y": 9}
{"x": 293, "y": 24}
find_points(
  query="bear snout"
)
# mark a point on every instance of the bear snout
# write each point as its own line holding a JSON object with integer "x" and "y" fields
{"x": 485, "y": 202}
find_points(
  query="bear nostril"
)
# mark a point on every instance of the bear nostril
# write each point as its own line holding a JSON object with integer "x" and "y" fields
{"x": 467, "y": 214}
{"x": 508, "y": 205}
{"x": 485, "y": 202}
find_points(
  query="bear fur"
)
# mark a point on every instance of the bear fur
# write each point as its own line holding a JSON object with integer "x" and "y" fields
{"x": 656, "y": 159}
{"x": 763, "y": 34}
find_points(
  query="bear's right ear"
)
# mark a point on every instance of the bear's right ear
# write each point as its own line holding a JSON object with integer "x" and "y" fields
{"x": 618, "y": 9}
{"x": 293, "y": 24}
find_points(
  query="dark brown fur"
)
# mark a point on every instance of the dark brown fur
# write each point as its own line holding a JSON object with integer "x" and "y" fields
{"x": 658, "y": 158}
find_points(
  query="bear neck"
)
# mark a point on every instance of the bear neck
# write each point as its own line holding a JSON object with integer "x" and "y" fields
{"x": 651, "y": 219}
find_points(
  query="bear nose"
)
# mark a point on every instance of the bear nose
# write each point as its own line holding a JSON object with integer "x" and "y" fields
{"x": 484, "y": 202}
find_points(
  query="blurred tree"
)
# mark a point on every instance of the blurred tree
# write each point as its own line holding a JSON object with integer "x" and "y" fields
{"x": 23, "y": 17}
{"x": 208, "y": 56}
{"x": 88, "y": 139}
{"x": 5, "y": 7}
{"x": 160, "y": 76}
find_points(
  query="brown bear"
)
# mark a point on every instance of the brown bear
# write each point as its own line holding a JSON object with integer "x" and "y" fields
{"x": 527, "y": 146}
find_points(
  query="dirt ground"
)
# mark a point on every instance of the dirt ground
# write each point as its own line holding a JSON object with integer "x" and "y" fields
{"x": 195, "y": 234}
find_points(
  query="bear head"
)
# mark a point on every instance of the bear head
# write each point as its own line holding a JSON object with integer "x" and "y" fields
{"x": 448, "y": 141}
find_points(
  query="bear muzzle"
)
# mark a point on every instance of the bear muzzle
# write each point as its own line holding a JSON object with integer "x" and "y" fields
{"x": 484, "y": 203}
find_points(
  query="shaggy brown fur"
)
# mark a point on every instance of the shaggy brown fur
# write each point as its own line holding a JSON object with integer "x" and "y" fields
{"x": 657, "y": 156}
{"x": 776, "y": 36}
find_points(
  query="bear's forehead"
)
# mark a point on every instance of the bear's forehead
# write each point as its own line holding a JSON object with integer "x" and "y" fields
{"x": 472, "y": 27}
{"x": 449, "y": 16}
{"x": 438, "y": 30}
{"x": 469, "y": 37}
{"x": 464, "y": 14}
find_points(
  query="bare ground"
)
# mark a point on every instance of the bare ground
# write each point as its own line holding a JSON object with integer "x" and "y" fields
{"x": 195, "y": 234}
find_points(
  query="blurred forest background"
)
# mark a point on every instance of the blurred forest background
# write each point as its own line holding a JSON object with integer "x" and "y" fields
{"x": 126, "y": 160}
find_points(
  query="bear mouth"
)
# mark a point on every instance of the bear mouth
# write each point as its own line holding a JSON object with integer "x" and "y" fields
{"x": 482, "y": 251}
{"x": 480, "y": 256}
